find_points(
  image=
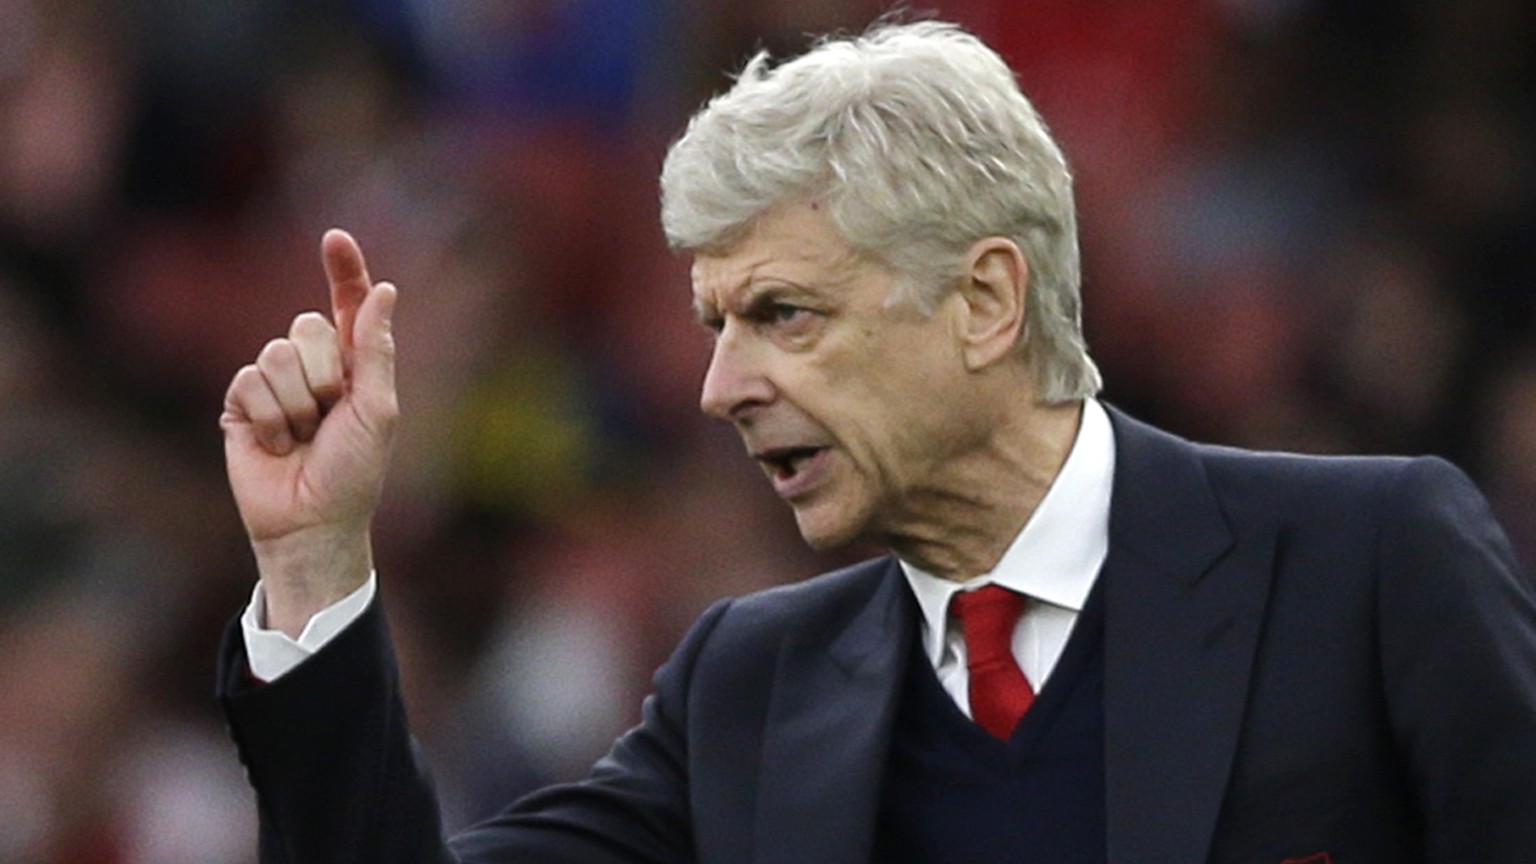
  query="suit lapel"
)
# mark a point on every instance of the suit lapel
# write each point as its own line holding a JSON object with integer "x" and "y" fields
{"x": 829, "y": 725}
{"x": 1184, "y": 600}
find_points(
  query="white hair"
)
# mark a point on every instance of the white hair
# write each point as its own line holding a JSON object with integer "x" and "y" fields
{"x": 919, "y": 142}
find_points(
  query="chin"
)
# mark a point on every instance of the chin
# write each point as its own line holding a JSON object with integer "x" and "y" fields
{"x": 823, "y": 531}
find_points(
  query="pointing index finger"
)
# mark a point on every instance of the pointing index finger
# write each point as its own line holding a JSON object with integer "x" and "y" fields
{"x": 348, "y": 275}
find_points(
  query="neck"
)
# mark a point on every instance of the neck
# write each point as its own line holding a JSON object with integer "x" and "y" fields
{"x": 967, "y": 516}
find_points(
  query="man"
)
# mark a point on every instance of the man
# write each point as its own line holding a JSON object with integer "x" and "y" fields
{"x": 1095, "y": 641}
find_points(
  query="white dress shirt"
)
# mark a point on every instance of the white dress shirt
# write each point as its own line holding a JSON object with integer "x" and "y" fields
{"x": 1054, "y": 561}
{"x": 273, "y": 653}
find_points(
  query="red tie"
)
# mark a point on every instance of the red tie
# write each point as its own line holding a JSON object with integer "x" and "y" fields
{"x": 1000, "y": 694}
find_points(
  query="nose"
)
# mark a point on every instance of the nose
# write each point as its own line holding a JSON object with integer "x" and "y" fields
{"x": 735, "y": 383}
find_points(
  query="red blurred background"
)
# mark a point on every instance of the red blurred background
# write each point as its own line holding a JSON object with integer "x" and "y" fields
{"x": 1306, "y": 225}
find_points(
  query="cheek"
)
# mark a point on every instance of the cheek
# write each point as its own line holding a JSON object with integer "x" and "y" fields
{"x": 879, "y": 397}
{"x": 889, "y": 438}
{"x": 923, "y": 419}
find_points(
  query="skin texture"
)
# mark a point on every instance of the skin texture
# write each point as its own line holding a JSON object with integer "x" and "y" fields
{"x": 872, "y": 420}
{"x": 306, "y": 440}
{"x": 928, "y": 436}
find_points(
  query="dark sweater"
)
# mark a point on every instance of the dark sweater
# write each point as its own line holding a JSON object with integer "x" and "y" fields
{"x": 954, "y": 794}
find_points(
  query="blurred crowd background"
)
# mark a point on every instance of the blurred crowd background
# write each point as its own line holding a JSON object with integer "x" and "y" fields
{"x": 1306, "y": 225}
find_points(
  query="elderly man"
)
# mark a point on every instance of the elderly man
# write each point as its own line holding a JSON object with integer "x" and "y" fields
{"x": 1094, "y": 641}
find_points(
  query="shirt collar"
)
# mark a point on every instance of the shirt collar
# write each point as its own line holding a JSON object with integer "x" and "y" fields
{"x": 1056, "y": 556}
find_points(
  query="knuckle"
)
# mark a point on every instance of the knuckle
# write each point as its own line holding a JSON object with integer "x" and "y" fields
{"x": 310, "y": 325}
{"x": 245, "y": 379}
{"x": 277, "y": 354}
{"x": 244, "y": 376}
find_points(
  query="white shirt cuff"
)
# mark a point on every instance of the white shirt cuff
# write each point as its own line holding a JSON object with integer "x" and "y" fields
{"x": 273, "y": 653}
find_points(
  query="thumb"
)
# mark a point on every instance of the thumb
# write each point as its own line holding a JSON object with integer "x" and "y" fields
{"x": 373, "y": 366}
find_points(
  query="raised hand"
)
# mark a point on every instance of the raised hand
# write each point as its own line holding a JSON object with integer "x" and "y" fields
{"x": 306, "y": 441}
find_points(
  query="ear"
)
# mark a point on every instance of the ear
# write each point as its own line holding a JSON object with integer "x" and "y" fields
{"x": 992, "y": 301}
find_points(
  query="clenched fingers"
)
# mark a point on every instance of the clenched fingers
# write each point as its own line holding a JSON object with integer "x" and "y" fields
{"x": 283, "y": 370}
{"x": 320, "y": 357}
{"x": 250, "y": 402}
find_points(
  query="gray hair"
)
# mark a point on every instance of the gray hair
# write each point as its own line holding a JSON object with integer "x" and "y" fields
{"x": 919, "y": 142}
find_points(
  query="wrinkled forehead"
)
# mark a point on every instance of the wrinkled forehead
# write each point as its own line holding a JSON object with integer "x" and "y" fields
{"x": 794, "y": 243}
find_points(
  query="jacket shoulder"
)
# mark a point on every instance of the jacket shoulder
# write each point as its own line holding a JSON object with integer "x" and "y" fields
{"x": 813, "y": 602}
{"x": 1284, "y": 478}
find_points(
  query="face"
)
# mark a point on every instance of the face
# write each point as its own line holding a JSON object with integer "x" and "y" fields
{"x": 850, "y": 402}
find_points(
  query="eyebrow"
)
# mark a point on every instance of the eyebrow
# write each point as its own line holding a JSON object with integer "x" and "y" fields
{"x": 753, "y": 296}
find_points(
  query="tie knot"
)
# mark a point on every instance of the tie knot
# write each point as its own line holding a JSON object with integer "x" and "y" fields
{"x": 987, "y": 618}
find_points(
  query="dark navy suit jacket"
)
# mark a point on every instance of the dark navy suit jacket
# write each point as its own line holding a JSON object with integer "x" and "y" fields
{"x": 1329, "y": 661}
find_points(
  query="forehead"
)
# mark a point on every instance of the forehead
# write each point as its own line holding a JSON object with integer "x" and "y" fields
{"x": 795, "y": 244}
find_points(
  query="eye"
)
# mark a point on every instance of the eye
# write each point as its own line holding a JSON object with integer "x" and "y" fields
{"x": 787, "y": 313}
{"x": 788, "y": 321}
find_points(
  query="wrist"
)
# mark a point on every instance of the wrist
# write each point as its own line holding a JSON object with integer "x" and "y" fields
{"x": 309, "y": 570}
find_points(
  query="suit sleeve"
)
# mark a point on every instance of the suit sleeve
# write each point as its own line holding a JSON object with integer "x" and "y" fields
{"x": 339, "y": 780}
{"x": 1458, "y": 648}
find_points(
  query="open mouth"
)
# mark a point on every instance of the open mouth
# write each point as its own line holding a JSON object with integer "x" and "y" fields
{"x": 786, "y": 462}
